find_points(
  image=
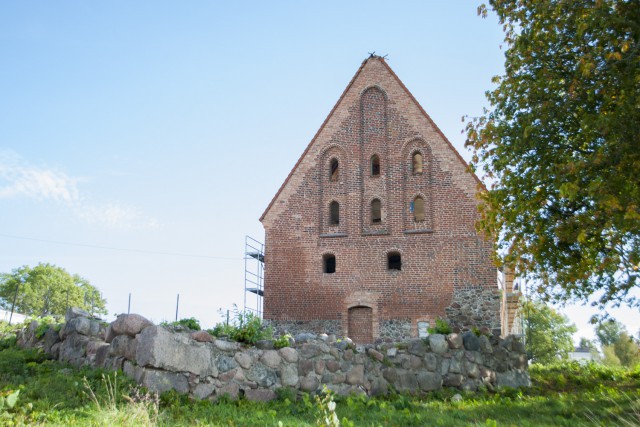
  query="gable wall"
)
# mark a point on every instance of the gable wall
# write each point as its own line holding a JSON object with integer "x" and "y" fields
{"x": 442, "y": 256}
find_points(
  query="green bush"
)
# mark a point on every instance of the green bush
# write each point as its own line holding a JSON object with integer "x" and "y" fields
{"x": 221, "y": 330}
{"x": 282, "y": 341}
{"x": 249, "y": 328}
{"x": 189, "y": 323}
{"x": 44, "y": 324}
{"x": 246, "y": 327}
{"x": 442, "y": 327}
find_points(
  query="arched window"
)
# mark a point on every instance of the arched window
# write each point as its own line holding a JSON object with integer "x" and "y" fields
{"x": 418, "y": 209}
{"x": 416, "y": 163}
{"x": 375, "y": 165}
{"x": 334, "y": 213}
{"x": 329, "y": 263}
{"x": 333, "y": 171}
{"x": 376, "y": 211}
{"x": 394, "y": 261}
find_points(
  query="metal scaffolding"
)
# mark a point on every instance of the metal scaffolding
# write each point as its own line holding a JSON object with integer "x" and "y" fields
{"x": 511, "y": 318}
{"x": 253, "y": 275}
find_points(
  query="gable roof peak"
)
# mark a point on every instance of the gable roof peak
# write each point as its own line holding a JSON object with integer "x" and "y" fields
{"x": 382, "y": 60}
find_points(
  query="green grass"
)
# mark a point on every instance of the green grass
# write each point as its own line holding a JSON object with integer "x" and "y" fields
{"x": 562, "y": 395}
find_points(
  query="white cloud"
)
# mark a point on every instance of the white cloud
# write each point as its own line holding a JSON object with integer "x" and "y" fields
{"x": 20, "y": 179}
{"x": 115, "y": 215}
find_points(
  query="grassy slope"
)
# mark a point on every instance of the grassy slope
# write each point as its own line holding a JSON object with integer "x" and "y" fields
{"x": 567, "y": 394}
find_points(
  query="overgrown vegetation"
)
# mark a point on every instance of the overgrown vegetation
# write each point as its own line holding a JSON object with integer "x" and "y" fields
{"x": 442, "y": 327}
{"x": 50, "y": 393}
{"x": 245, "y": 327}
{"x": 189, "y": 323}
{"x": 282, "y": 341}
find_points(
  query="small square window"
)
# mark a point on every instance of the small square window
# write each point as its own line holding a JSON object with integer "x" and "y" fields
{"x": 394, "y": 261}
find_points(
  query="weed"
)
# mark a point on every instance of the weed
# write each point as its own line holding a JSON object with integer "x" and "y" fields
{"x": 113, "y": 408}
{"x": 442, "y": 327}
{"x": 246, "y": 327}
{"x": 282, "y": 341}
{"x": 189, "y": 323}
{"x": 327, "y": 409}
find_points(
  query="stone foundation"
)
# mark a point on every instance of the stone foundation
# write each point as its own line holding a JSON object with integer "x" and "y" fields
{"x": 204, "y": 367}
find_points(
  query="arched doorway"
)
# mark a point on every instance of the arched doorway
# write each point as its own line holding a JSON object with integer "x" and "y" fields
{"x": 361, "y": 324}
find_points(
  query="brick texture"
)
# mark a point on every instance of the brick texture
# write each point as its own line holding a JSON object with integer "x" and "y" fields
{"x": 441, "y": 254}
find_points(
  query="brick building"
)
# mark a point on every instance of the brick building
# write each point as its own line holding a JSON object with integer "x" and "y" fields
{"x": 372, "y": 234}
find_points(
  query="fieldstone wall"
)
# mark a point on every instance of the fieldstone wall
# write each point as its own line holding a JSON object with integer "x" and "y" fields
{"x": 207, "y": 368}
{"x": 294, "y": 327}
{"x": 400, "y": 329}
{"x": 475, "y": 306}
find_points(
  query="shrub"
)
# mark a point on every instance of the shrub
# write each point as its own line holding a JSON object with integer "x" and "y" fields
{"x": 190, "y": 323}
{"x": 249, "y": 328}
{"x": 44, "y": 324}
{"x": 246, "y": 327}
{"x": 442, "y": 327}
{"x": 282, "y": 341}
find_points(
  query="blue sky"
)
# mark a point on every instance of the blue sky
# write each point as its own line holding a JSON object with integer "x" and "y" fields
{"x": 168, "y": 127}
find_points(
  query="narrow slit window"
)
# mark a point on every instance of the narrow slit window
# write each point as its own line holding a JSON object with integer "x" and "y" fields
{"x": 418, "y": 209}
{"x": 333, "y": 173}
{"x": 329, "y": 262}
{"x": 334, "y": 213}
{"x": 416, "y": 163}
{"x": 394, "y": 261}
{"x": 376, "y": 211}
{"x": 375, "y": 165}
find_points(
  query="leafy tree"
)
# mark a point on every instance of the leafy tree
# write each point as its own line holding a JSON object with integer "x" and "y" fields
{"x": 609, "y": 357}
{"x": 559, "y": 145}
{"x": 618, "y": 347}
{"x": 48, "y": 290}
{"x": 585, "y": 343}
{"x": 548, "y": 334}
{"x": 627, "y": 350}
{"x": 608, "y": 331}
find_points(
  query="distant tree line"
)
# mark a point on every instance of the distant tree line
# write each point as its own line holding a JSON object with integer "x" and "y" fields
{"x": 48, "y": 290}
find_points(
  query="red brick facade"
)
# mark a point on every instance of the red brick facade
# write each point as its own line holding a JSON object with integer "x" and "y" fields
{"x": 323, "y": 211}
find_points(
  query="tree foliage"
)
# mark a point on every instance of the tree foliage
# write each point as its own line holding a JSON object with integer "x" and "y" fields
{"x": 548, "y": 334}
{"x": 560, "y": 145}
{"x": 618, "y": 347}
{"x": 608, "y": 331}
{"x": 48, "y": 290}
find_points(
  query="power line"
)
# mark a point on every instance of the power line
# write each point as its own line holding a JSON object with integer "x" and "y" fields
{"x": 111, "y": 248}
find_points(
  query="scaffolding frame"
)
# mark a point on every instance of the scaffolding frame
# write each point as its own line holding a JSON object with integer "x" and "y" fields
{"x": 253, "y": 275}
{"x": 510, "y": 289}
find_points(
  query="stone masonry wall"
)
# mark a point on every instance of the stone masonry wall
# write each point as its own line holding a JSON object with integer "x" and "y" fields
{"x": 207, "y": 368}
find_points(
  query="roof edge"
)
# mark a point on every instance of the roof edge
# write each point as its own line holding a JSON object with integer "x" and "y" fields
{"x": 353, "y": 79}
{"x": 306, "y": 150}
{"x": 426, "y": 115}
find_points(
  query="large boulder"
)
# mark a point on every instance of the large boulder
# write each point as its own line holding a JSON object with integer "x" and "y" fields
{"x": 79, "y": 324}
{"x": 513, "y": 379}
{"x": 429, "y": 381}
{"x": 75, "y": 312}
{"x": 161, "y": 381}
{"x": 127, "y": 324}
{"x": 159, "y": 348}
{"x": 73, "y": 349}
{"x": 438, "y": 343}
{"x": 124, "y": 345}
